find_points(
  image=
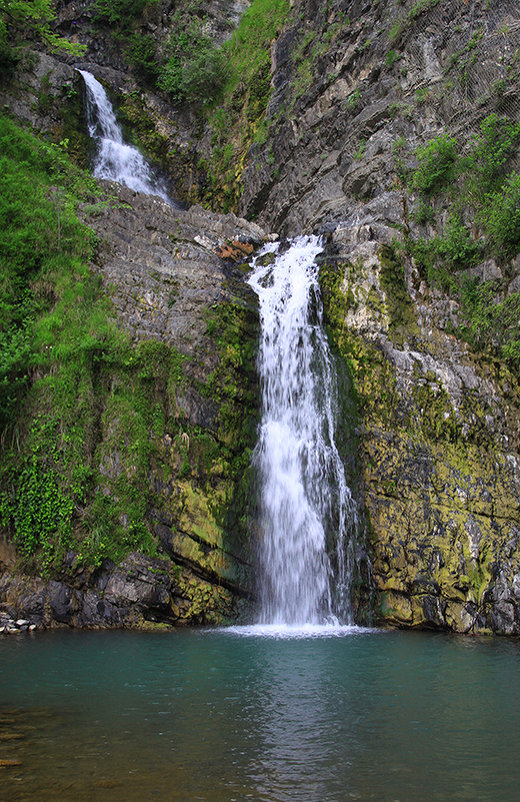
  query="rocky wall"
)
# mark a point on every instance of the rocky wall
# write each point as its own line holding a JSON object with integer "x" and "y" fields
{"x": 439, "y": 438}
{"x": 173, "y": 278}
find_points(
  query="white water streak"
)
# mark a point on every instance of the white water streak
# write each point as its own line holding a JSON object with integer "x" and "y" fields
{"x": 306, "y": 508}
{"x": 115, "y": 160}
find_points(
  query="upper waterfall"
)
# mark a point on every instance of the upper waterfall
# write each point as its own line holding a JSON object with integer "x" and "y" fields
{"x": 115, "y": 160}
{"x": 306, "y": 506}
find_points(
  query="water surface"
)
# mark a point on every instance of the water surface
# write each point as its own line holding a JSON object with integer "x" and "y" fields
{"x": 238, "y": 715}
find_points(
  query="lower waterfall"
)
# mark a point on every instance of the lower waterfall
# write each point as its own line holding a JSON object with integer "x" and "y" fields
{"x": 115, "y": 160}
{"x": 307, "y": 513}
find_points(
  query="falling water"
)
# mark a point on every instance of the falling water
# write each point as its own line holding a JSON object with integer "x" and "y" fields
{"x": 306, "y": 509}
{"x": 115, "y": 160}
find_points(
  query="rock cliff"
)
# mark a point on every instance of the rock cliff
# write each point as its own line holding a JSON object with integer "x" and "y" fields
{"x": 389, "y": 128}
{"x": 173, "y": 427}
{"x": 358, "y": 89}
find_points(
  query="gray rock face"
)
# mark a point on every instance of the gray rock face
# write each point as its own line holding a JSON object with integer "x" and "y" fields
{"x": 438, "y": 450}
{"x": 163, "y": 265}
{"x": 139, "y": 592}
{"x": 34, "y": 93}
{"x": 346, "y": 113}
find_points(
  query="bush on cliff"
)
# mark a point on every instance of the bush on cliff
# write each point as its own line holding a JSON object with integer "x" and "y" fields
{"x": 194, "y": 71}
{"x": 59, "y": 354}
{"x": 473, "y": 184}
{"x": 501, "y": 218}
{"x": 26, "y": 20}
{"x": 436, "y": 165}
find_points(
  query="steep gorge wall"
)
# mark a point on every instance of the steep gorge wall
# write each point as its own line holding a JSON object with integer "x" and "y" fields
{"x": 125, "y": 477}
{"x": 356, "y": 88}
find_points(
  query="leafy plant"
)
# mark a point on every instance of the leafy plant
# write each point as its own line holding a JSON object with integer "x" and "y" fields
{"x": 195, "y": 68}
{"x": 491, "y": 151}
{"x": 353, "y": 99}
{"x": 457, "y": 246}
{"x": 391, "y": 57}
{"x": 141, "y": 51}
{"x": 436, "y": 165}
{"x": 120, "y": 13}
{"x": 25, "y": 19}
{"x": 473, "y": 185}
{"x": 501, "y": 216}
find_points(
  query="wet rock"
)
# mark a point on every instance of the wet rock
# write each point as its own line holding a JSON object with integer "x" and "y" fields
{"x": 60, "y": 601}
{"x": 438, "y": 449}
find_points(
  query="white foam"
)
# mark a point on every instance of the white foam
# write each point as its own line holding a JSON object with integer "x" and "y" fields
{"x": 286, "y": 631}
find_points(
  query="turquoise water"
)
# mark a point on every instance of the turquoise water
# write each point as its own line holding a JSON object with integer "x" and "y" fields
{"x": 197, "y": 715}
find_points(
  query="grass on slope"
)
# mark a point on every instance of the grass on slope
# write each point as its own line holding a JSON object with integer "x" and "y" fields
{"x": 65, "y": 371}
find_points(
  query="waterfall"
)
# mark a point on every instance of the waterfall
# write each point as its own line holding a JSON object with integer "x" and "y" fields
{"x": 115, "y": 160}
{"x": 307, "y": 512}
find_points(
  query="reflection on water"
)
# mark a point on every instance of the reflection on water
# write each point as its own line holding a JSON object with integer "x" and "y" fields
{"x": 218, "y": 716}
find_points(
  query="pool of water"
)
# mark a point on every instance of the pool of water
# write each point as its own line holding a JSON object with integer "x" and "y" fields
{"x": 249, "y": 715}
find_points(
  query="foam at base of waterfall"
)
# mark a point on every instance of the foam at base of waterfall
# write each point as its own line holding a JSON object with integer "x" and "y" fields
{"x": 285, "y": 631}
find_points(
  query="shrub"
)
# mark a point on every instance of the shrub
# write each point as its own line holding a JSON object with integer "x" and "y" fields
{"x": 141, "y": 52}
{"x": 22, "y": 20}
{"x": 391, "y": 57}
{"x": 492, "y": 150}
{"x": 195, "y": 69}
{"x": 488, "y": 323}
{"x": 436, "y": 165}
{"x": 119, "y": 13}
{"x": 501, "y": 217}
{"x": 457, "y": 246}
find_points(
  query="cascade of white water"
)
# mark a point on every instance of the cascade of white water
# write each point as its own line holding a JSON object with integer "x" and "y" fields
{"x": 115, "y": 160}
{"x": 306, "y": 508}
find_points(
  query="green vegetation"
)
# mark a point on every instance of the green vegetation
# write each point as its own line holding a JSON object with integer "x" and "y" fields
{"x": 191, "y": 69}
{"x": 310, "y": 48}
{"x": 400, "y": 25}
{"x": 194, "y": 71}
{"x": 40, "y": 243}
{"x": 464, "y": 59}
{"x": 354, "y": 100}
{"x": 25, "y": 20}
{"x": 228, "y": 86}
{"x": 391, "y": 57}
{"x": 502, "y": 218}
{"x": 243, "y": 100}
{"x": 234, "y": 385}
{"x": 86, "y": 413}
{"x": 44, "y": 248}
{"x": 70, "y": 382}
{"x": 120, "y": 13}
{"x": 472, "y": 184}
{"x": 488, "y": 323}
{"x": 400, "y": 308}
{"x": 125, "y": 19}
